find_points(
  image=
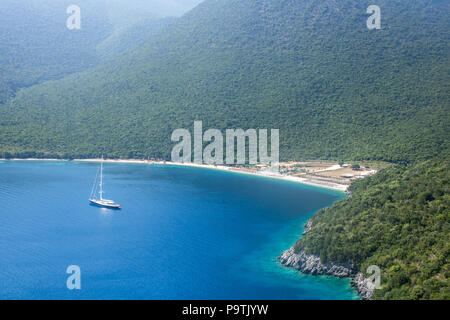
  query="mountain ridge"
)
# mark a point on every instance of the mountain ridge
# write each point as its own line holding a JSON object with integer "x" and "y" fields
{"x": 225, "y": 68}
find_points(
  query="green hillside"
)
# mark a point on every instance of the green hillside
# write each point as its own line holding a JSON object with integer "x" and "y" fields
{"x": 397, "y": 220}
{"x": 126, "y": 36}
{"x": 334, "y": 88}
{"x": 36, "y": 46}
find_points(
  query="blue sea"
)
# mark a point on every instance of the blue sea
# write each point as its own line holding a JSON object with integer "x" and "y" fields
{"x": 183, "y": 233}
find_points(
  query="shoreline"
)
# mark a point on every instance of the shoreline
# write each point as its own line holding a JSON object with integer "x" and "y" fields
{"x": 310, "y": 264}
{"x": 311, "y": 182}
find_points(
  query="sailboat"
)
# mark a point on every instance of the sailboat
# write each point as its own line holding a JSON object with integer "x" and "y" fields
{"x": 104, "y": 203}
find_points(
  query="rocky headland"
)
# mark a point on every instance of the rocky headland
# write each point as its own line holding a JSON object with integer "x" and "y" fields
{"x": 310, "y": 264}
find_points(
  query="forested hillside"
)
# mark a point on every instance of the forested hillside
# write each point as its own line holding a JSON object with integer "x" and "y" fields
{"x": 36, "y": 46}
{"x": 126, "y": 37}
{"x": 312, "y": 69}
{"x": 134, "y": 21}
{"x": 397, "y": 220}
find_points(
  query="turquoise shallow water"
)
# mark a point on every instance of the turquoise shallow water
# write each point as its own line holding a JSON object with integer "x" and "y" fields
{"x": 183, "y": 233}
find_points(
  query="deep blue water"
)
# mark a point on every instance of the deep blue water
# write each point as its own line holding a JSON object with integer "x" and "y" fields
{"x": 183, "y": 233}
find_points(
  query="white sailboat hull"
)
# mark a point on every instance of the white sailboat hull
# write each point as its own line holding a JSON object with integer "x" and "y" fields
{"x": 105, "y": 204}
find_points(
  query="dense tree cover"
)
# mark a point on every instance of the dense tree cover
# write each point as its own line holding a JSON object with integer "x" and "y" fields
{"x": 134, "y": 21}
{"x": 127, "y": 36}
{"x": 335, "y": 89}
{"x": 36, "y": 46}
{"x": 399, "y": 220}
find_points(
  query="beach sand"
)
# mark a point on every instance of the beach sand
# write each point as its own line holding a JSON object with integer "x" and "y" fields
{"x": 261, "y": 173}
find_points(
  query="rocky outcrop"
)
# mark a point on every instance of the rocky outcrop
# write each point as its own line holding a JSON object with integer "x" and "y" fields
{"x": 310, "y": 264}
{"x": 308, "y": 227}
{"x": 364, "y": 286}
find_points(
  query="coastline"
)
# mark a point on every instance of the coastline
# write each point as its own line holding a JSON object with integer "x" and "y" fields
{"x": 311, "y": 182}
{"x": 310, "y": 264}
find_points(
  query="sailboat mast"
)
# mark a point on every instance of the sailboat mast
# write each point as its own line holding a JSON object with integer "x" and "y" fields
{"x": 101, "y": 180}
